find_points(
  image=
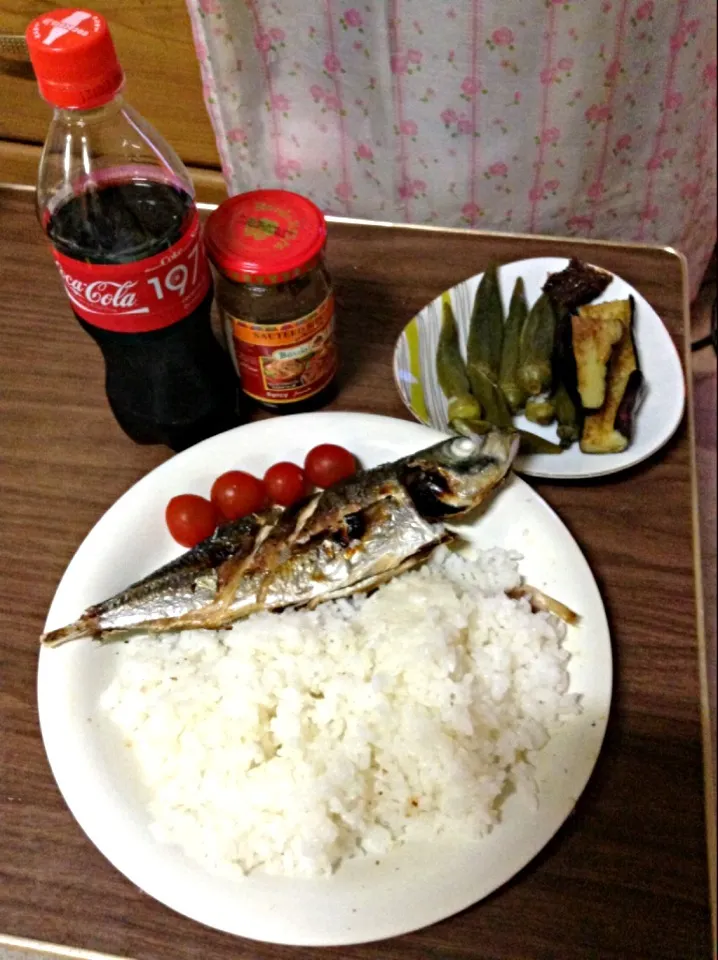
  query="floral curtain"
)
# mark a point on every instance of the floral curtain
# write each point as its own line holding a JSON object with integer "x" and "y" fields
{"x": 593, "y": 119}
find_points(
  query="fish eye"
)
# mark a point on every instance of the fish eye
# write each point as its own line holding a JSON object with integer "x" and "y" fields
{"x": 462, "y": 447}
{"x": 427, "y": 488}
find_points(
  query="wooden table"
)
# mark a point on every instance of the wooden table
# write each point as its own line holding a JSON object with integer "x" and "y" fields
{"x": 626, "y": 877}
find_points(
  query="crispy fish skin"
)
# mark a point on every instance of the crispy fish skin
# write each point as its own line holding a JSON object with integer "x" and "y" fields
{"x": 179, "y": 588}
{"x": 347, "y": 539}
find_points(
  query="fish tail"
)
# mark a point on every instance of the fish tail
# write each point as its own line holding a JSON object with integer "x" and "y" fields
{"x": 82, "y": 628}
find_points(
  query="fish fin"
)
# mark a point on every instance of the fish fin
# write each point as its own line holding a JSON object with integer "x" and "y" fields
{"x": 84, "y": 628}
{"x": 541, "y": 601}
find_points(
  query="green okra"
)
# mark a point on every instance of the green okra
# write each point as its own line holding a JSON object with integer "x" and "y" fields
{"x": 566, "y": 399}
{"x": 536, "y": 348}
{"x": 540, "y": 409}
{"x": 451, "y": 369}
{"x": 532, "y": 443}
{"x": 569, "y": 426}
{"x": 486, "y": 328}
{"x": 492, "y": 401}
{"x": 508, "y": 371}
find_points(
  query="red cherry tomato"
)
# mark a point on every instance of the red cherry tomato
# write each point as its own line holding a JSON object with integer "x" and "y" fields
{"x": 190, "y": 519}
{"x": 327, "y": 464}
{"x": 236, "y": 494}
{"x": 285, "y": 483}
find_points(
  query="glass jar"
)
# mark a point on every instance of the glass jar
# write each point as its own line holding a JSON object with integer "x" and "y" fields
{"x": 275, "y": 297}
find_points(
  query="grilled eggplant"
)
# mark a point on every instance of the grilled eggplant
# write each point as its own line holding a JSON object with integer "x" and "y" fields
{"x": 596, "y": 330}
{"x": 609, "y": 429}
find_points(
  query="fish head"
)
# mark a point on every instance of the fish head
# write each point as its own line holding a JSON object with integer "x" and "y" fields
{"x": 455, "y": 476}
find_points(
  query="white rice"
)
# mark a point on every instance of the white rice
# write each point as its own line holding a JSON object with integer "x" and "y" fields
{"x": 294, "y": 741}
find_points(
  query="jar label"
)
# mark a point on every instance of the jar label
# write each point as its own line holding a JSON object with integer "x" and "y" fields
{"x": 286, "y": 362}
{"x": 144, "y": 295}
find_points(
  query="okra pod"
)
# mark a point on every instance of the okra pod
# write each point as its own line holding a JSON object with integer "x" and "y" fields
{"x": 569, "y": 427}
{"x": 540, "y": 409}
{"x": 508, "y": 379}
{"x": 486, "y": 329}
{"x": 566, "y": 400}
{"x": 492, "y": 401}
{"x": 451, "y": 369}
{"x": 532, "y": 443}
{"x": 536, "y": 350}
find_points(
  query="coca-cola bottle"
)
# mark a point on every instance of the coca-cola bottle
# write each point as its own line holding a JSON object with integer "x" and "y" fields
{"x": 118, "y": 206}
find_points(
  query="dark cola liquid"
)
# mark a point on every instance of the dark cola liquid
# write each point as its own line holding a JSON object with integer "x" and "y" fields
{"x": 176, "y": 385}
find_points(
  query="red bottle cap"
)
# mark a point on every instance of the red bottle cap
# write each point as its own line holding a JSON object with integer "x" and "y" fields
{"x": 265, "y": 236}
{"x": 74, "y": 58}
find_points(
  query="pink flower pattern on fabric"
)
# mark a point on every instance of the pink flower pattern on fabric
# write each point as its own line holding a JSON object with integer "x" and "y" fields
{"x": 503, "y": 37}
{"x": 332, "y": 63}
{"x": 580, "y": 224}
{"x": 429, "y": 120}
{"x": 674, "y": 101}
{"x": 598, "y": 113}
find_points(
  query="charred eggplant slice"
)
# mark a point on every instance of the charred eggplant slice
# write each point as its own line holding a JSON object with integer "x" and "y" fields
{"x": 609, "y": 430}
{"x": 596, "y": 330}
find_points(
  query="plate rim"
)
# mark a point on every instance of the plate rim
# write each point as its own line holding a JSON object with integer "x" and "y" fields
{"x": 135, "y": 876}
{"x": 538, "y": 473}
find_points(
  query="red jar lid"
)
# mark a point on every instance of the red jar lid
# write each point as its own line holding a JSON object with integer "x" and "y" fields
{"x": 265, "y": 236}
{"x": 74, "y": 58}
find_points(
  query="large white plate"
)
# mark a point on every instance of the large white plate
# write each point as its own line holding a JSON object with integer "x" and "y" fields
{"x": 656, "y": 420}
{"x": 409, "y": 889}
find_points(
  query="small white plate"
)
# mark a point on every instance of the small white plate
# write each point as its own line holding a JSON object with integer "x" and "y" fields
{"x": 412, "y": 887}
{"x": 656, "y": 420}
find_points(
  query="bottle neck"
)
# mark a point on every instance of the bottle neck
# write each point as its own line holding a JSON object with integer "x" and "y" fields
{"x": 111, "y": 142}
{"x": 95, "y": 115}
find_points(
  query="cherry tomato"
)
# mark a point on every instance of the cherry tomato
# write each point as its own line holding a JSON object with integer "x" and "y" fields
{"x": 236, "y": 494}
{"x": 190, "y": 519}
{"x": 327, "y": 464}
{"x": 285, "y": 483}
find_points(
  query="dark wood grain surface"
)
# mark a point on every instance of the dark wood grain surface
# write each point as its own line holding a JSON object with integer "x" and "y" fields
{"x": 625, "y": 877}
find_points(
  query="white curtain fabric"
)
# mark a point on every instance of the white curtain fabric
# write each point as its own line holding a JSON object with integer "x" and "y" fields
{"x": 592, "y": 118}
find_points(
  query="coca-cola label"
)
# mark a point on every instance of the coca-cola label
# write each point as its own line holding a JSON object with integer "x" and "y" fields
{"x": 143, "y": 295}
